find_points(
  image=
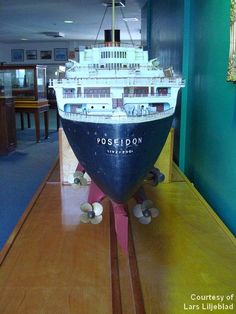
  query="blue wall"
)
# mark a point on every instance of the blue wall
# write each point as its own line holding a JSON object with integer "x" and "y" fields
{"x": 165, "y": 21}
{"x": 198, "y": 32}
{"x": 208, "y": 155}
{"x": 166, "y": 32}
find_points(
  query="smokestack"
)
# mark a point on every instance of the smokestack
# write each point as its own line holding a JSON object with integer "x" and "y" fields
{"x": 108, "y": 37}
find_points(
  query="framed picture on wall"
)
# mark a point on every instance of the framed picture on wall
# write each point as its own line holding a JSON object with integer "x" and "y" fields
{"x": 46, "y": 54}
{"x": 231, "y": 74}
{"x": 60, "y": 54}
{"x": 17, "y": 55}
{"x": 31, "y": 54}
{"x": 71, "y": 54}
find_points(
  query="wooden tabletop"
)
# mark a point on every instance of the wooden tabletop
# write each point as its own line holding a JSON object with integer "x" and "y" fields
{"x": 57, "y": 265}
{"x": 31, "y": 103}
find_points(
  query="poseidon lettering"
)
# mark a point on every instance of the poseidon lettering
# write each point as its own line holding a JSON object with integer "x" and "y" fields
{"x": 119, "y": 142}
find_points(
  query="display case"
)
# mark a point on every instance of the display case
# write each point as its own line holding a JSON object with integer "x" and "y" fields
{"x": 28, "y": 82}
{"x": 5, "y": 83}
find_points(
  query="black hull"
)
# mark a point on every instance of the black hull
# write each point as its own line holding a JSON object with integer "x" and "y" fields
{"x": 117, "y": 156}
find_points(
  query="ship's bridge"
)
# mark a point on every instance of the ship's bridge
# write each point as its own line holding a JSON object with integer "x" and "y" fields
{"x": 117, "y": 57}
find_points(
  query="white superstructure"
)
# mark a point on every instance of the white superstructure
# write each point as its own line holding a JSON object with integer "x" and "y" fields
{"x": 118, "y": 83}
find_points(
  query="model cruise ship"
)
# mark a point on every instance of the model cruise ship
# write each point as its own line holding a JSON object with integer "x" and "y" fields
{"x": 116, "y": 108}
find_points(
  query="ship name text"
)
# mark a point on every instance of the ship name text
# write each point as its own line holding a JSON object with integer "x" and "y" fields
{"x": 120, "y": 142}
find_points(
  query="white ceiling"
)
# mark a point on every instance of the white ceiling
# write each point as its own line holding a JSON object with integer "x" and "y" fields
{"x": 29, "y": 18}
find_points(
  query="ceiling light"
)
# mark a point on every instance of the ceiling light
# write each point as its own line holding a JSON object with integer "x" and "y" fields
{"x": 108, "y": 3}
{"x": 53, "y": 34}
{"x": 23, "y": 39}
{"x": 130, "y": 19}
{"x": 68, "y": 22}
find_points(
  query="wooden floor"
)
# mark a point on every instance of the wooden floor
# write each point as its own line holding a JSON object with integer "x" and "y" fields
{"x": 56, "y": 265}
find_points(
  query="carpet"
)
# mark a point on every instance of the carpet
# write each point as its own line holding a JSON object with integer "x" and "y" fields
{"x": 21, "y": 173}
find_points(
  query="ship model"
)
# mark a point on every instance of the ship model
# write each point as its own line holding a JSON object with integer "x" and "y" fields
{"x": 116, "y": 108}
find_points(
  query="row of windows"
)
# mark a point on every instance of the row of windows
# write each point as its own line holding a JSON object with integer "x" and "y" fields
{"x": 115, "y": 66}
{"x": 113, "y": 54}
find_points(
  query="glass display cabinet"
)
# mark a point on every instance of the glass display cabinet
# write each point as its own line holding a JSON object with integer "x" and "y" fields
{"x": 5, "y": 83}
{"x": 28, "y": 87}
{"x": 28, "y": 82}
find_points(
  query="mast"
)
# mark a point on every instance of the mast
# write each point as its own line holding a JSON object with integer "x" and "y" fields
{"x": 113, "y": 23}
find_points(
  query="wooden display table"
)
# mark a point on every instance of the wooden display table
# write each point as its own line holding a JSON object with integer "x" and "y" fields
{"x": 54, "y": 264}
{"x": 36, "y": 107}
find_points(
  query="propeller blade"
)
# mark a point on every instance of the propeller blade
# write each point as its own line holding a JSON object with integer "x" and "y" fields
{"x": 154, "y": 212}
{"x": 85, "y": 207}
{"x": 96, "y": 220}
{"x": 145, "y": 220}
{"x": 84, "y": 218}
{"x": 137, "y": 211}
{"x": 147, "y": 204}
{"x": 78, "y": 174}
{"x": 71, "y": 179}
{"x": 75, "y": 186}
{"x": 83, "y": 181}
{"x": 98, "y": 209}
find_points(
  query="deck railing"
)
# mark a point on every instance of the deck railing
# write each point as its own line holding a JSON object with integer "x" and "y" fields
{"x": 109, "y": 95}
{"x": 118, "y": 81}
{"x": 146, "y": 94}
{"x": 78, "y": 116}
